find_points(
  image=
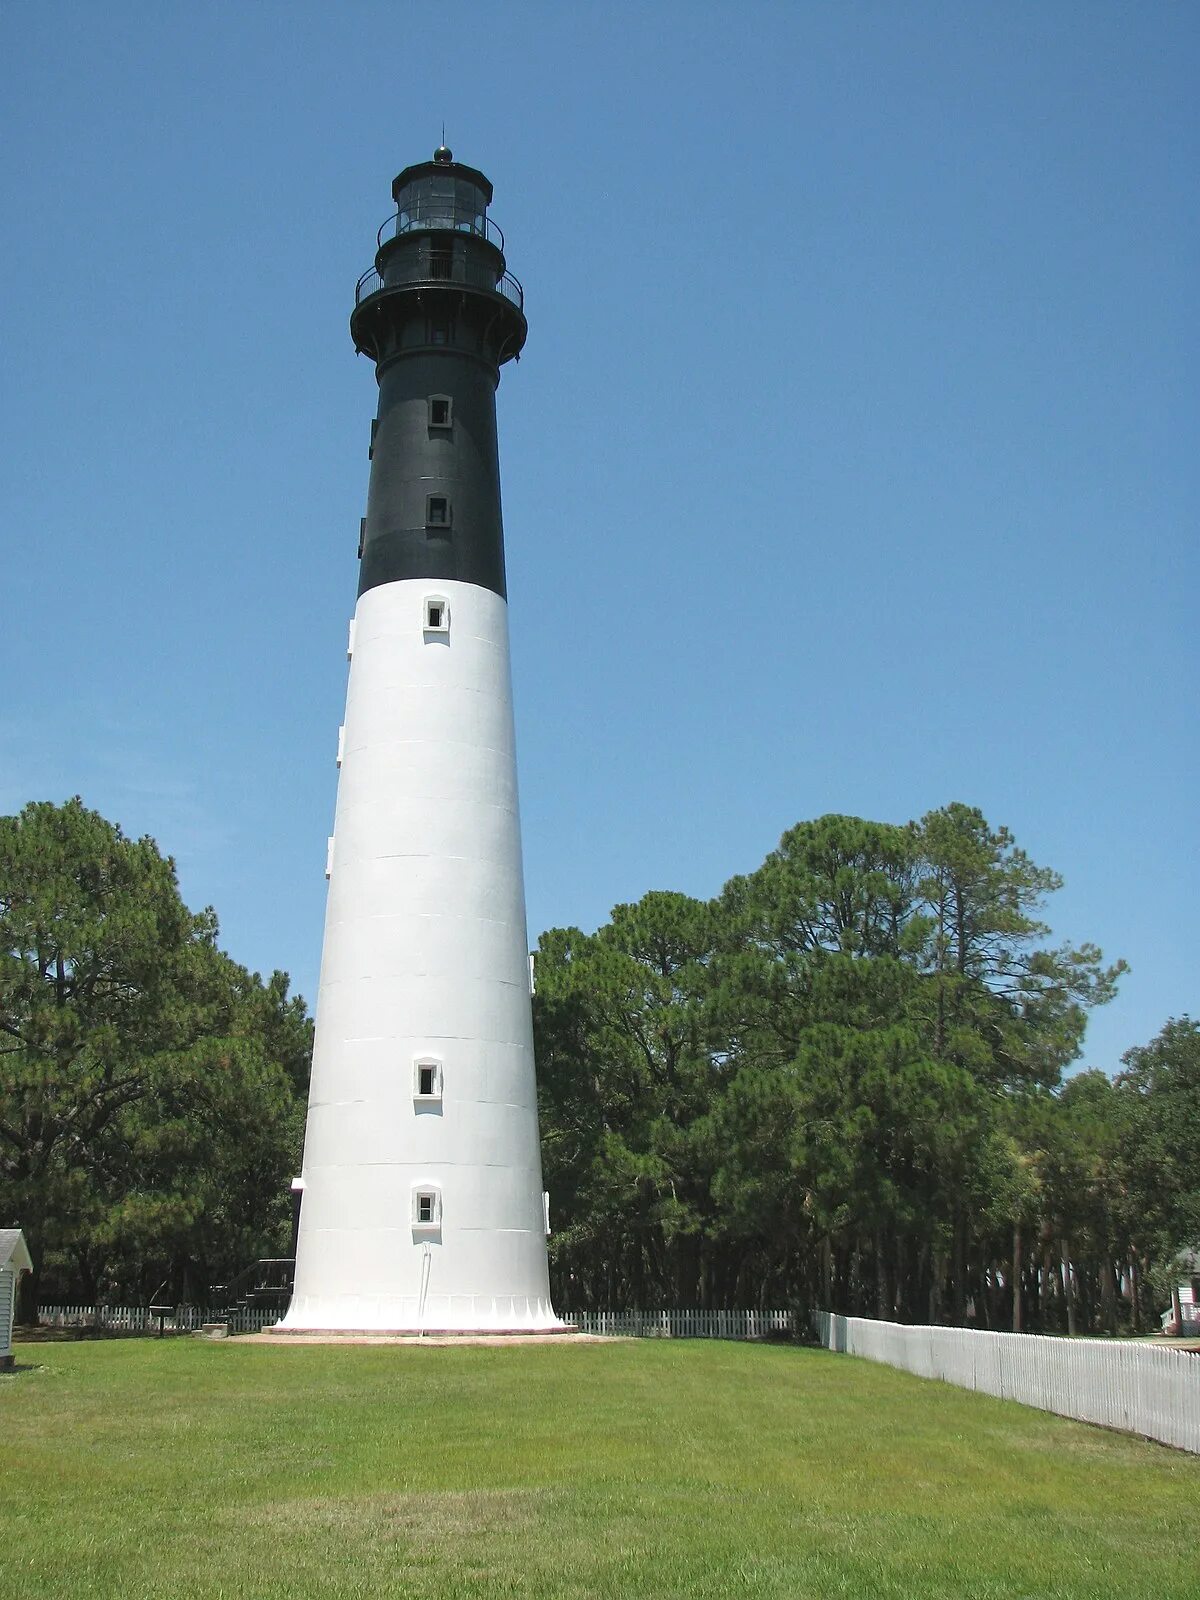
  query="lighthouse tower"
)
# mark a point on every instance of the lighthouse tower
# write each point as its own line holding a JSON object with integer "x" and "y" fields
{"x": 422, "y": 1205}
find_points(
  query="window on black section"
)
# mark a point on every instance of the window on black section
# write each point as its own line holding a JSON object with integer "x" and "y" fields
{"x": 424, "y": 1208}
{"x": 439, "y": 410}
{"x": 441, "y": 258}
{"x": 426, "y": 1075}
{"x": 437, "y": 511}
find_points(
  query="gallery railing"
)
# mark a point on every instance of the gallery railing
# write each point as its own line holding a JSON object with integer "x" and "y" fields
{"x": 473, "y": 275}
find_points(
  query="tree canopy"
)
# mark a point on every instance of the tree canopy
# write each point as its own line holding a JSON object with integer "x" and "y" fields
{"x": 842, "y": 1082}
{"x": 151, "y": 1089}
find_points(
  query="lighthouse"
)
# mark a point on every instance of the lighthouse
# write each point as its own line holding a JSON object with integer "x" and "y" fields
{"x": 421, "y": 1192}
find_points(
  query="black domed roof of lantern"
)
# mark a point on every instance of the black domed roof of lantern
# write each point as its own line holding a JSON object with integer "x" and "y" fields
{"x": 443, "y": 162}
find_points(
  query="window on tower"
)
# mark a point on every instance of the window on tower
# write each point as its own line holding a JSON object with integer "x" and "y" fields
{"x": 437, "y": 614}
{"x": 441, "y": 260}
{"x": 437, "y": 511}
{"x": 427, "y": 1207}
{"x": 427, "y": 1078}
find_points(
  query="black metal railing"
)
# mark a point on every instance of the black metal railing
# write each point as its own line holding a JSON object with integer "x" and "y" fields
{"x": 454, "y": 218}
{"x": 471, "y": 274}
{"x": 265, "y": 1279}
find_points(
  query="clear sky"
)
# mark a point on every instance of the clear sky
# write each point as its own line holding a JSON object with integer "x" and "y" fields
{"x": 851, "y": 464}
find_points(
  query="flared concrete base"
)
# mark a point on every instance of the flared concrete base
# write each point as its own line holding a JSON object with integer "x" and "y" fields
{"x": 435, "y": 1337}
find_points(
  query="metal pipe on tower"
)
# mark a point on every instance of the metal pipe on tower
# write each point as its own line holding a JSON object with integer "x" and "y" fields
{"x": 422, "y": 1206}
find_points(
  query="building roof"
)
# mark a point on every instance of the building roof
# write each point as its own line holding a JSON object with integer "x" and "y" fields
{"x": 14, "y": 1252}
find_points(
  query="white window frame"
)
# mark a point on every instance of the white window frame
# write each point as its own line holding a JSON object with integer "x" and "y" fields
{"x": 431, "y": 1192}
{"x": 425, "y": 1064}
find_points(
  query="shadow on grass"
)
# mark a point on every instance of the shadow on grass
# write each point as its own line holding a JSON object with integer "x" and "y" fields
{"x": 73, "y": 1334}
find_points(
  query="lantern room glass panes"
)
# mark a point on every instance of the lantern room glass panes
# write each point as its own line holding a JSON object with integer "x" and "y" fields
{"x": 469, "y": 206}
{"x": 442, "y": 201}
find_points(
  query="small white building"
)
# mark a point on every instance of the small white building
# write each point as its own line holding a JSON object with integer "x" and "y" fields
{"x": 14, "y": 1260}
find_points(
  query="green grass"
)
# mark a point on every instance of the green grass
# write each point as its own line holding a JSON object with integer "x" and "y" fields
{"x": 147, "y": 1468}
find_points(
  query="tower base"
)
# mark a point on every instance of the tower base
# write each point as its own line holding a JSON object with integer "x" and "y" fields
{"x": 403, "y": 1314}
{"x": 279, "y": 1334}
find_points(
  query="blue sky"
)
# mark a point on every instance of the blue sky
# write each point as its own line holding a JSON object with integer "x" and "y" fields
{"x": 850, "y": 466}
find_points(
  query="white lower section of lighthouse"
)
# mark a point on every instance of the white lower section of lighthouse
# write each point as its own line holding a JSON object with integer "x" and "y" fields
{"x": 422, "y": 1202}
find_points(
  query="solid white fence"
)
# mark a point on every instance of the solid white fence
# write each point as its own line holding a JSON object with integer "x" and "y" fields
{"x": 1139, "y": 1388}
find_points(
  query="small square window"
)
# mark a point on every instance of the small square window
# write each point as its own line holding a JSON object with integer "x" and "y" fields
{"x": 441, "y": 410}
{"x": 427, "y": 1078}
{"x": 427, "y": 1207}
{"x": 437, "y": 511}
{"x": 437, "y": 614}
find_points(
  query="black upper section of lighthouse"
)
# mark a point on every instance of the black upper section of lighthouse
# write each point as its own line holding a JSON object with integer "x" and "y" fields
{"x": 439, "y": 314}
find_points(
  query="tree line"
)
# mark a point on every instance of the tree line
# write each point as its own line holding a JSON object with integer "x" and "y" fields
{"x": 840, "y": 1083}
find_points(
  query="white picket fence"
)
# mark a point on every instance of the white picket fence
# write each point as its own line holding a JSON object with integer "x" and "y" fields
{"x": 1136, "y": 1387}
{"x": 628, "y": 1324}
{"x": 137, "y": 1319}
{"x": 684, "y": 1324}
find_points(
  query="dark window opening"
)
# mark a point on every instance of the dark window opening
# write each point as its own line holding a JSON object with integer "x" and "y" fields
{"x": 439, "y": 411}
{"x": 437, "y": 511}
{"x": 440, "y": 261}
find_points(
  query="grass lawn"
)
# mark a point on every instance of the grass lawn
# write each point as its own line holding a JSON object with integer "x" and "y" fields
{"x": 180, "y": 1468}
